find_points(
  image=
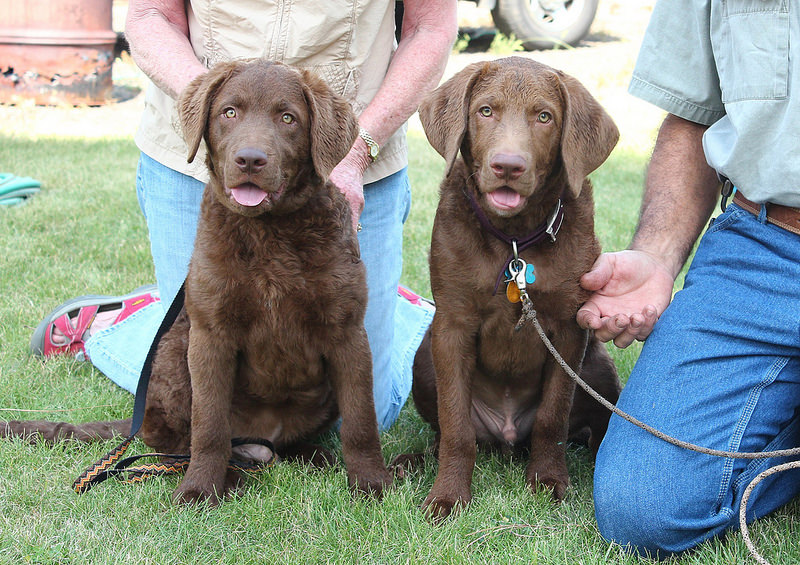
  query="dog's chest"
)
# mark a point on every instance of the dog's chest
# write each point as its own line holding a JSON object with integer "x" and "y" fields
{"x": 280, "y": 301}
{"x": 506, "y": 353}
{"x": 282, "y": 326}
{"x": 290, "y": 295}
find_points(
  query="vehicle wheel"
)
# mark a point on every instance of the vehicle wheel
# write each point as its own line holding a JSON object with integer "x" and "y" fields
{"x": 544, "y": 24}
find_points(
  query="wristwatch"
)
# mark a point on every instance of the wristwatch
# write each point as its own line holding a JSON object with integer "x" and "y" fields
{"x": 372, "y": 146}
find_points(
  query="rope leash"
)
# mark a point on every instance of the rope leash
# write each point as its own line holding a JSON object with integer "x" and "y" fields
{"x": 529, "y": 314}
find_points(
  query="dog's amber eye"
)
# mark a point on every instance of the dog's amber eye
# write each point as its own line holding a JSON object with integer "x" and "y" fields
{"x": 229, "y": 113}
{"x": 545, "y": 117}
{"x": 485, "y": 111}
{"x": 287, "y": 118}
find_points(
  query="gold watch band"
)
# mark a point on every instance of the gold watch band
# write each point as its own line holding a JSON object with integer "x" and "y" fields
{"x": 372, "y": 146}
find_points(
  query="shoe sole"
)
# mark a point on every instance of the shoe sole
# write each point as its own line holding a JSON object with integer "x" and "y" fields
{"x": 38, "y": 337}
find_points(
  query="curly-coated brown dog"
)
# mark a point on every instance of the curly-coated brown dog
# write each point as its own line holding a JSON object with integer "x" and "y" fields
{"x": 528, "y": 136}
{"x": 271, "y": 343}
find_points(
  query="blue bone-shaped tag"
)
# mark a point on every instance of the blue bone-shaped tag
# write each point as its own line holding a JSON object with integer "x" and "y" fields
{"x": 530, "y": 276}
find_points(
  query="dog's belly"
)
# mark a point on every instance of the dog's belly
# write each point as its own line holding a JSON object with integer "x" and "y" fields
{"x": 285, "y": 423}
{"x": 506, "y": 426}
{"x": 503, "y": 412}
{"x": 282, "y": 401}
{"x": 506, "y": 385}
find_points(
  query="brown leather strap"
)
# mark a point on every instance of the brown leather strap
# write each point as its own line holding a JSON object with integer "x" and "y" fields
{"x": 784, "y": 217}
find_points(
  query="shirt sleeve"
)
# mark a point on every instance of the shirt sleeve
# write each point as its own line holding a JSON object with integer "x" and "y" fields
{"x": 676, "y": 70}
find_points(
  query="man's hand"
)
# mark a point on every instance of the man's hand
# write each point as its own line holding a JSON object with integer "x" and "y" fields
{"x": 630, "y": 291}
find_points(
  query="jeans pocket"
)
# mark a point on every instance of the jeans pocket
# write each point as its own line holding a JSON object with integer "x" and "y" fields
{"x": 731, "y": 214}
{"x": 752, "y": 47}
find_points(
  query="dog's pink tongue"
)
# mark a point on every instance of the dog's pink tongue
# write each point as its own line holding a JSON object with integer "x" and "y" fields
{"x": 248, "y": 195}
{"x": 504, "y": 198}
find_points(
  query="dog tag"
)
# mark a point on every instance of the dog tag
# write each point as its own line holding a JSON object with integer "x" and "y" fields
{"x": 530, "y": 273}
{"x": 516, "y": 279}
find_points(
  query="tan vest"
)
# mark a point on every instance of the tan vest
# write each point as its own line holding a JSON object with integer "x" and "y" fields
{"x": 348, "y": 43}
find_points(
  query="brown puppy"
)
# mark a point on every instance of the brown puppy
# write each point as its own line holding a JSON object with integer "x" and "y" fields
{"x": 528, "y": 136}
{"x": 271, "y": 343}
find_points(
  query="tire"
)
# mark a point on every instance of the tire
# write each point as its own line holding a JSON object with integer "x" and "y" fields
{"x": 545, "y": 24}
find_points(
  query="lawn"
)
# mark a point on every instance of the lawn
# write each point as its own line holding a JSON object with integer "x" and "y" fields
{"x": 84, "y": 234}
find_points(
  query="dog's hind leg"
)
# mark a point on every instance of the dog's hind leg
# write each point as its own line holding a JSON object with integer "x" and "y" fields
{"x": 587, "y": 414}
{"x": 423, "y": 388}
{"x": 37, "y": 431}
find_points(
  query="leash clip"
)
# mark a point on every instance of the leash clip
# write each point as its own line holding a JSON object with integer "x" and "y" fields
{"x": 552, "y": 228}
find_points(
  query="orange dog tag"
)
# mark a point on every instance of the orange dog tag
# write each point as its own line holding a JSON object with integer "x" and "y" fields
{"x": 512, "y": 292}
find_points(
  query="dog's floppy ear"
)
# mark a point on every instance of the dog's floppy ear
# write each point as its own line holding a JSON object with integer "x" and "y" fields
{"x": 195, "y": 102}
{"x": 588, "y": 134}
{"x": 444, "y": 113}
{"x": 334, "y": 126}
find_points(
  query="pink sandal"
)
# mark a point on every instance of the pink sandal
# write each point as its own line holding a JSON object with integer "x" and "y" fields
{"x": 75, "y": 328}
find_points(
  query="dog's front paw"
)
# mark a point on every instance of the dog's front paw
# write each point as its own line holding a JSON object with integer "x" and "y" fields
{"x": 437, "y": 507}
{"x": 555, "y": 480}
{"x": 194, "y": 491}
{"x": 372, "y": 483}
{"x": 189, "y": 492}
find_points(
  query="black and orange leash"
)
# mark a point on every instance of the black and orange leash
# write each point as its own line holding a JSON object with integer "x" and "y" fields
{"x": 113, "y": 465}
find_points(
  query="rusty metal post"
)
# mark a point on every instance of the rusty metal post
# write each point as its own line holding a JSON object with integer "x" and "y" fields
{"x": 56, "y": 51}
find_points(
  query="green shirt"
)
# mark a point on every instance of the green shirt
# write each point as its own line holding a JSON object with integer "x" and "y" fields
{"x": 730, "y": 64}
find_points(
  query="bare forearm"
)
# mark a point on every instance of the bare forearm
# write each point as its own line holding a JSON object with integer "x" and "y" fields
{"x": 680, "y": 193}
{"x": 429, "y": 30}
{"x": 158, "y": 34}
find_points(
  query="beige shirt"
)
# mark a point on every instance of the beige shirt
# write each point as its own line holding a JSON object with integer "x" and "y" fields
{"x": 348, "y": 43}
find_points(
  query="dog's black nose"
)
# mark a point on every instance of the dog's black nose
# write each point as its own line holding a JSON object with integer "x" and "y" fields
{"x": 508, "y": 166}
{"x": 250, "y": 160}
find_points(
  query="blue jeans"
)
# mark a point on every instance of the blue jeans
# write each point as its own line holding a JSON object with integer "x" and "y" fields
{"x": 721, "y": 370}
{"x": 170, "y": 202}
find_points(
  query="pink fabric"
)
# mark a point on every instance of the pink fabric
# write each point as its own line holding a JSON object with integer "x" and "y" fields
{"x": 73, "y": 333}
{"x": 75, "y": 330}
{"x": 134, "y": 305}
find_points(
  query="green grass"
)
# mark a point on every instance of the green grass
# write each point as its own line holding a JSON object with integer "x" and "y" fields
{"x": 83, "y": 233}
{"x": 505, "y": 45}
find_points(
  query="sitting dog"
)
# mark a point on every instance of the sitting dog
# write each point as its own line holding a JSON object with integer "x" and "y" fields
{"x": 271, "y": 343}
{"x": 516, "y": 203}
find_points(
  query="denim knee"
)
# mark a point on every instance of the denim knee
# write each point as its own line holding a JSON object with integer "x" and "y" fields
{"x": 651, "y": 508}
{"x": 622, "y": 506}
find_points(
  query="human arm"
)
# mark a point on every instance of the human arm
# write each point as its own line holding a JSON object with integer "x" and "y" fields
{"x": 630, "y": 289}
{"x": 429, "y": 29}
{"x": 158, "y": 35}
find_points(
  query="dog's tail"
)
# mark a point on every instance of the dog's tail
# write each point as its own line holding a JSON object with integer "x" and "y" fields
{"x": 42, "y": 431}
